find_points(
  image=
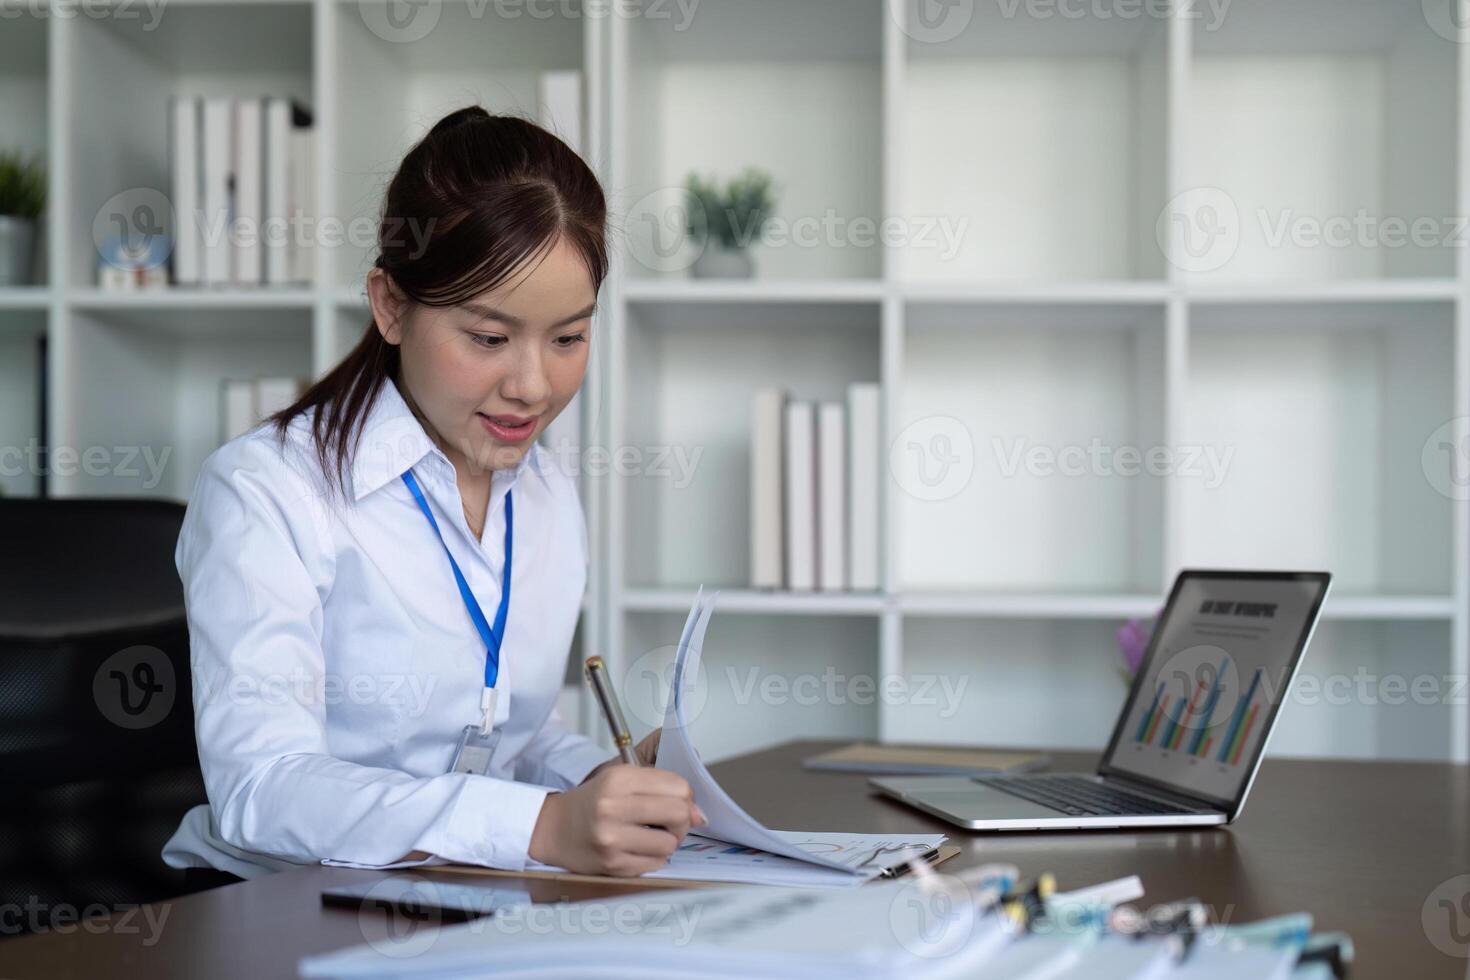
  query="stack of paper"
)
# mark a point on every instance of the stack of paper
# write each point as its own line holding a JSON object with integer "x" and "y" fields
{"x": 923, "y": 928}
{"x": 734, "y": 932}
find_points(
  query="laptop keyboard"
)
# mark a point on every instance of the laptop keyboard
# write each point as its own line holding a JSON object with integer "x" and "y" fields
{"x": 1077, "y": 796}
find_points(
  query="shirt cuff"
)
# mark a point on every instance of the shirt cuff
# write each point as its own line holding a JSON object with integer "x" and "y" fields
{"x": 572, "y": 765}
{"x": 490, "y": 825}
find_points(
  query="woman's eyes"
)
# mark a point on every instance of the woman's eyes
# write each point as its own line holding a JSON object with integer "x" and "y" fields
{"x": 495, "y": 342}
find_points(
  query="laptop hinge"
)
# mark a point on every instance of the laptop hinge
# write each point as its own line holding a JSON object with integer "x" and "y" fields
{"x": 1179, "y": 799}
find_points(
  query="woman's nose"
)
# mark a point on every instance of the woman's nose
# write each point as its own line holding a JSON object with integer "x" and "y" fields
{"x": 527, "y": 382}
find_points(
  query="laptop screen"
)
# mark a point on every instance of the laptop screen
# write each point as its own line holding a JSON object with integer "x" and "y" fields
{"x": 1213, "y": 679}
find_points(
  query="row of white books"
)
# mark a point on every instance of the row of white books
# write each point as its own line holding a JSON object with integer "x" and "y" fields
{"x": 246, "y": 402}
{"x": 814, "y": 491}
{"x": 243, "y": 191}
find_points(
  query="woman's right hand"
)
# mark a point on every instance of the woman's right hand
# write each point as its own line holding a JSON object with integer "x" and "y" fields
{"x": 625, "y": 820}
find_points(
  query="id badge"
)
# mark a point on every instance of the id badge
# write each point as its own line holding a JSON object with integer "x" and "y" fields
{"x": 475, "y": 750}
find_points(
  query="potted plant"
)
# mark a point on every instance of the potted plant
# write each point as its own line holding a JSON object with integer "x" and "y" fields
{"x": 22, "y": 199}
{"x": 723, "y": 223}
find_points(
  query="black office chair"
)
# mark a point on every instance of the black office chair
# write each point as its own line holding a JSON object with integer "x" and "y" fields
{"x": 97, "y": 751}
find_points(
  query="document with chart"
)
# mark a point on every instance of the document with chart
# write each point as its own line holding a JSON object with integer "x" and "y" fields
{"x": 734, "y": 846}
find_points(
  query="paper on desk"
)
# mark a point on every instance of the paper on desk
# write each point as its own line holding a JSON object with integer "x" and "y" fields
{"x": 772, "y": 857}
{"x": 727, "y": 821}
{"x": 801, "y": 934}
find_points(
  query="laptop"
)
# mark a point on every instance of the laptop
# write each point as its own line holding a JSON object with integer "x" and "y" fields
{"x": 1191, "y": 735}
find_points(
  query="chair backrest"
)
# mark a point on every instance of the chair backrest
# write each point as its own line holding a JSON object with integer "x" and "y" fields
{"x": 96, "y": 716}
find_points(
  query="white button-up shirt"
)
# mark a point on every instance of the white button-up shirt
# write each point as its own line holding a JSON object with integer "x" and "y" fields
{"x": 335, "y": 665}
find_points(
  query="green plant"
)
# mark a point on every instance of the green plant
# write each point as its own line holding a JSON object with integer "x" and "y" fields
{"x": 22, "y": 186}
{"x": 734, "y": 216}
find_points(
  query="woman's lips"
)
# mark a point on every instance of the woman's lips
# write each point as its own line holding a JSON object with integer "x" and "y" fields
{"x": 508, "y": 428}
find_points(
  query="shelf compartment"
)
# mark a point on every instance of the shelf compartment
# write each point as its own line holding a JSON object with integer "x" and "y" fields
{"x": 21, "y": 332}
{"x": 198, "y": 49}
{"x": 397, "y": 78}
{"x": 167, "y": 367}
{"x": 1326, "y": 410}
{"x": 1013, "y": 464}
{"x": 1024, "y": 682}
{"x": 762, "y": 679}
{"x": 25, "y": 108}
{"x": 687, "y": 390}
{"x": 793, "y": 88}
{"x": 1058, "y": 684}
{"x": 1305, "y": 117}
{"x": 990, "y": 128}
{"x": 1348, "y": 702}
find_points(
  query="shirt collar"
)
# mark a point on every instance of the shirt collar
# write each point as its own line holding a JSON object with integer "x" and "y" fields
{"x": 393, "y": 442}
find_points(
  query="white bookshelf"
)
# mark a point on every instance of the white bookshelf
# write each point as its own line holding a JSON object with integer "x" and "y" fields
{"x": 1057, "y": 318}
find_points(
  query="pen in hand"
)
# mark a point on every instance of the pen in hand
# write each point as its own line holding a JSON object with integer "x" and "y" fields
{"x": 597, "y": 676}
{"x": 612, "y": 712}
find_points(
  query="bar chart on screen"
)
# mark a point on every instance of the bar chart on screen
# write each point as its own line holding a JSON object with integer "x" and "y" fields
{"x": 1203, "y": 725}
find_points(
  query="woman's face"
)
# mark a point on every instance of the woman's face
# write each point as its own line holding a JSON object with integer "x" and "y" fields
{"x": 490, "y": 374}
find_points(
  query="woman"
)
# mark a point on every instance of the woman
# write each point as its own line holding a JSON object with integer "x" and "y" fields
{"x": 352, "y": 566}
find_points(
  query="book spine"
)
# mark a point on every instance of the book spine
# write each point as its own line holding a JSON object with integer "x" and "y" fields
{"x": 864, "y": 449}
{"x": 832, "y": 497}
{"x": 303, "y": 196}
{"x": 237, "y": 408}
{"x": 184, "y": 151}
{"x": 274, "y": 394}
{"x": 217, "y": 158}
{"x": 277, "y": 237}
{"x": 249, "y": 208}
{"x": 560, "y": 104}
{"x": 801, "y": 529}
{"x": 766, "y": 518}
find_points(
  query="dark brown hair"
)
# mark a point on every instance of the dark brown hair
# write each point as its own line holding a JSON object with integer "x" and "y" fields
{"x": 474, "y": 200}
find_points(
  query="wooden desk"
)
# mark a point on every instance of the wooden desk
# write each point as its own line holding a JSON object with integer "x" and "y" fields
{"x": 1360, "y": 845}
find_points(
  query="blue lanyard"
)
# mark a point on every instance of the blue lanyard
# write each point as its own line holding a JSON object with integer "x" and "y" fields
{"x": 491, "y": 635}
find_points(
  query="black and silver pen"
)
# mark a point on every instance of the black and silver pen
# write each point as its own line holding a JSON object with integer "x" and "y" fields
{"x": 596, "y": 673}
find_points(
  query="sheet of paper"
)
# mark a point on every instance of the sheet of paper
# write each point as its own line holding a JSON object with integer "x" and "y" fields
{"x": 1073, "y": 958}
{"x": 676, "y": 753}
{"x": 737, "y": 932}
{"x": 702, "y": 858}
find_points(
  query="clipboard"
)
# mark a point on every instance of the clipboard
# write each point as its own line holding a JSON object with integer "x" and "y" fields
{"x": 941, "y": 854}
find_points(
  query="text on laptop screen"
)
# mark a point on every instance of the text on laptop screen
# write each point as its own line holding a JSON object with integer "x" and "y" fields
{"x": 1222, "y": 655}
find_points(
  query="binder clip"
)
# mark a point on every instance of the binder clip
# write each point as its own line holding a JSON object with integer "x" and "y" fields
{"x": 1025, "y": 907}
{"x": 1179, "y": 923}
{"x": 1182, "y": 929}
{"x": 1333, "y": 949}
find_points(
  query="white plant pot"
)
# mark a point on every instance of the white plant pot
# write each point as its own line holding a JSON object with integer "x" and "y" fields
{"x": 17, "y": 247}
{"x": 723, "y": 263}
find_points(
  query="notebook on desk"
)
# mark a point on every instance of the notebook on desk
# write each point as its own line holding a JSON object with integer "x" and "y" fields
{"x": 923, "y": 760}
